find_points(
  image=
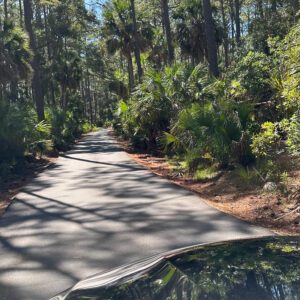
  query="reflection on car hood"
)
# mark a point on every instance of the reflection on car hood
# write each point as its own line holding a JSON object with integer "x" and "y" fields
{"x": 264, "y": 269}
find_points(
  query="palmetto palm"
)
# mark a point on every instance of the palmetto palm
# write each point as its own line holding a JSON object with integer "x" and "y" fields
{"x": 118, "y": 31}
{"x": 15, "y": 54}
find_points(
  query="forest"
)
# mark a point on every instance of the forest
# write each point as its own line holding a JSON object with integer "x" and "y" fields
{"x": 212, "y": 85}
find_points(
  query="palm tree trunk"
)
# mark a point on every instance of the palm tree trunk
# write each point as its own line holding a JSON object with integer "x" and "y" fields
{"x": 95, "y": 108}
{"x": 49, "y": 53}
{"x": 89, "y": 94}
{"x": 210, "y": 39}
{"x": 274, "y": 6}
{"x": 237, "y": 22}
{"x": 225, "y": 39}
{"x": 21, "y": 13}
{"x": 137, "y": 51}
{"x": 38, "y": 95}
{"x": 296, "y": 7}
{"x": 130, "y": 72}
{"x": 167, "y": 27}
{"x": 5, "y": 10}
{"x": 64, "y": 100}
{"x": 232, "y": 20}
{"x": 260, "y": 8}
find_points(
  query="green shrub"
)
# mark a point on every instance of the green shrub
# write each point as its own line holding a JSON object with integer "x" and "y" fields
{"x": 292, "y": 128}
{"x": 194, "y": 159}
{"x": 210, "y": 129}
{"x": 253, "y": 73}
{"x": 64, "y": 128}
{"x": 38, "y": 137}
{"x": 88, "y": 127}
{"x": 147, "y": 114}
{"x": 288, "y": 51}
{"x": 21, "y": 134}
{"x": 267, "y": 143}
{"x": 249, "y": 175}
{"x": 12, "y": 132}
{"x": 206, "y": 173}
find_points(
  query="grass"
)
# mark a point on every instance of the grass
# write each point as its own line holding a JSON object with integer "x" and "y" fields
{"x": 87, "y": 127}
{"x": 247, "y": 175}
{"x": 207, "y": 173}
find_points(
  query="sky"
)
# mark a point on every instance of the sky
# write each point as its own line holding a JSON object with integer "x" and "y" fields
{"x": 94, "y": 5}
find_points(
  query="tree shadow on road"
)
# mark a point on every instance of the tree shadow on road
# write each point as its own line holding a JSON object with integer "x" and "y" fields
{"x": 102, "y": 215}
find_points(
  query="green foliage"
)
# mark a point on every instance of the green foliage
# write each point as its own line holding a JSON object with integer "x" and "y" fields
{"x": 293, "y": 141}
{"x": 12, "y": 133}
{"x": 253, "y": 73}
{"x": 209, "y": 128}
{"x": 88, "y": 127}
{"x": 39, "y": 138}
{"x": 172, "y": 142}
{"x": 267, "y": 142}
{"x": 67, "y": 69}
{"x": 156, "y": 103}
{"x": 185, "y": 84}
{"x": 64, "y": 128}
{"x": 249, "y": 175}
{"x": 193, "y": 160}
{"x": 15, "y": 54}
{"x": 269, "y": 170}
{"x": 207, "y": 173}
{"x": 289, "y": 69}
{"x": 122, "y": 108}
{"x": 20, "y": 133}
{"x": 147, "y": 114}
{"x": 190, "y": 29}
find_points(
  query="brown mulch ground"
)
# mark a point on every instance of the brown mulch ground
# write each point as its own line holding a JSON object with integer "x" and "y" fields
{"x": 230, "y": 195}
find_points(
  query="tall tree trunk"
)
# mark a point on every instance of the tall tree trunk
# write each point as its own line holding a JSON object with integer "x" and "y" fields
{"x": 5, "y": 10}
{"x": 210, "y": 39}
{"x": 130, "y": 72}
{"x": 64, "y": 98}
{"x": 21, "y": 13}
{"x": 95, "y": 108}
{"x": 273, "y": 6}
{"x": 137, "y": 51}
{"x": 237, "y": 22}
{"x": 296, "y": 7}
{"x": 260, "y": 8}
{"x": 232, "y": 20}
{"x": 82, "y": 94}
{"x": 225, "y": 39}
{"x": 89, "y": 94}
{"x": 49, "y": 53}
{"x": 167, "y": 28}
{"x": 38, "y": 96}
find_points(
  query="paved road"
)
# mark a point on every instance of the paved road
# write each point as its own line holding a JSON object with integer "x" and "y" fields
{"x": 96, "y": 209}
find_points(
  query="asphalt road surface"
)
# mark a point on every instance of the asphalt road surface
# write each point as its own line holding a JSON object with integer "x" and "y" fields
{"x": 96, "y": 209}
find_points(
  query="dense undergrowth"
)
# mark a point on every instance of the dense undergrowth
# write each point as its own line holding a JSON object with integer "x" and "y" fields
{"x": 22, "y": 135}
{"x": 248, "y": 118}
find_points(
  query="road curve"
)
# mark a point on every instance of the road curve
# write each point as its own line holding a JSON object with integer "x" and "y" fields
{"x": 96, "y": 209}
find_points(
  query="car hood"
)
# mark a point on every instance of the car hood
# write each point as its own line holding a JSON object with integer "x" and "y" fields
{"x": 250, "y": 269}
